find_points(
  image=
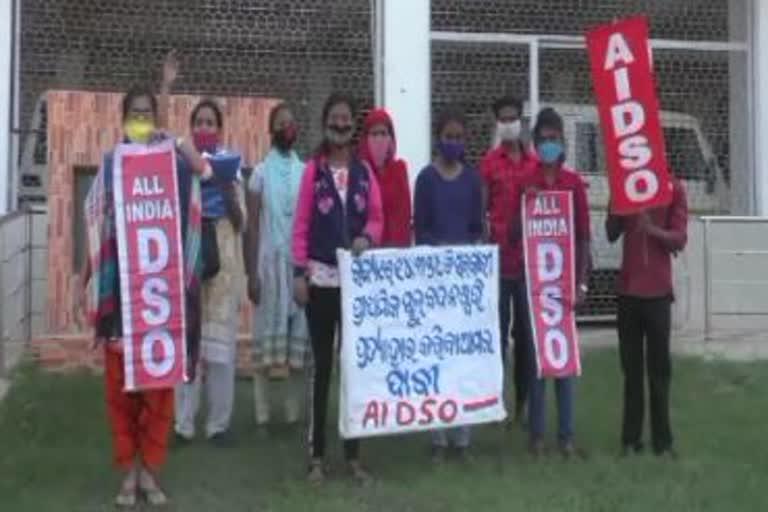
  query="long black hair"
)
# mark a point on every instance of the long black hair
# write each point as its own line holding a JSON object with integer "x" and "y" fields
{"x": 135, "y": 93}
{"x": 211, "y": 104}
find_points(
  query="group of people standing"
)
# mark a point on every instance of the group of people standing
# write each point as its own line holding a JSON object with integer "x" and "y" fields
{"x": 282, "y": 228}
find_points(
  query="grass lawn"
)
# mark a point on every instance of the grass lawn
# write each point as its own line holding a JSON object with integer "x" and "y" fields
{"x": 54, "y": 456}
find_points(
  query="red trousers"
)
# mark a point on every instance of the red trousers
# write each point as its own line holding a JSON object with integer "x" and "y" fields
{"x": 140, "y": 421}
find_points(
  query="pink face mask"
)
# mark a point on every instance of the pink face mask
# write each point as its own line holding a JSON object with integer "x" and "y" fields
{"x": 380, "y": 147}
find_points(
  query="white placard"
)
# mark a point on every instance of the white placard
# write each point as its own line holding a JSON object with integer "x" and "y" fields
{"x": 420, "y": 331}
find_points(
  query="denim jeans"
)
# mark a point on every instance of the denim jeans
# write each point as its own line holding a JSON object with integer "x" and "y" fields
{"x": 537, "y": 407}
{"x": 537, "y": 404}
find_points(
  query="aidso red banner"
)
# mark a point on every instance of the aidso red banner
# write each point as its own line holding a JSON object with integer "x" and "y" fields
{"x": 151, "y": 267}
{"x": 625, "y": 88}
{"x": 548, "y": 243}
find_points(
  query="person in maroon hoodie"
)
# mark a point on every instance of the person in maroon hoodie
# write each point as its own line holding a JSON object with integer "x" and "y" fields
{"x": 644, "y": 316}
{"x": 378, "y": 148}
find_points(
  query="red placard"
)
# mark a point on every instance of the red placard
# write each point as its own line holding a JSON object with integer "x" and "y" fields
{"x": 625, "y": 88}
{"x": 148, "y": 223}
{"x": 549, "y": 247}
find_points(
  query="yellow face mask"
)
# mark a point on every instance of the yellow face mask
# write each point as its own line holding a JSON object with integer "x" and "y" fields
{"x": 138, "y": 129}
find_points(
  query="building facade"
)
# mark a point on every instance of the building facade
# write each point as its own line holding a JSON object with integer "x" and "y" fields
{"x": 415, "y": 57}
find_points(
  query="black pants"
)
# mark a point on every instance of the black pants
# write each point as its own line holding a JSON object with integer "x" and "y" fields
{"x": 513, "y": 300}
{"x": 324, "y": 317}
{"x": 644, "y": 331}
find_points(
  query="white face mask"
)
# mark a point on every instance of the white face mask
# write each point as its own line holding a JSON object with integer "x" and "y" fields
{"x": 507, "y": 132}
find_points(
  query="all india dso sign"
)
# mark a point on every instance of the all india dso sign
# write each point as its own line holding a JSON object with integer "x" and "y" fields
{"x": 548, "y": 244}
{"x": 151, "y": 265}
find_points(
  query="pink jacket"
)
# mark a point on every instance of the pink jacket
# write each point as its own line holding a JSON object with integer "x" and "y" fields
{"x": 305, "y": 209}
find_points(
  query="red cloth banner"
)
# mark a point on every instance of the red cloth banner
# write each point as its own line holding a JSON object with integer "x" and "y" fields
{"x": 549, "y": 247}
{"x": 148, "y": 222}
{"x": 625, "y": 88}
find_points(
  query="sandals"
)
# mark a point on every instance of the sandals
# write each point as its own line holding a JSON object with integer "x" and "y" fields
{"x": 151, "y": 490}
{"x": 360, "y": 474}
{"x": 126, "y": 498}
{"x": 316, "y": 473}
{"x": 568, "y": 451}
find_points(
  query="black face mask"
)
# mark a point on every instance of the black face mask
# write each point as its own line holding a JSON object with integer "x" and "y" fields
{"x": 284, "y": 140}
{"x": 339, "y": 134}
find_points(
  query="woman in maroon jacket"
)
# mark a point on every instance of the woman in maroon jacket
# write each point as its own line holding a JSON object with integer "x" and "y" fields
{"x": 378, "y": 148}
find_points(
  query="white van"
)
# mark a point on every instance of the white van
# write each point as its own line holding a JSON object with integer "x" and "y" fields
{"x": 690, "y": 157}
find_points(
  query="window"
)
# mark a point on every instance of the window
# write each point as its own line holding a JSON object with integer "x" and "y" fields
{"x": 83, "y": 178}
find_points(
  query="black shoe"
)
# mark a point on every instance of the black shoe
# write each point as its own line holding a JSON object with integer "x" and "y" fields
{"x": 181, "y": 441}
{"x": 463, "y": 456}
{"x": 536, "y": 448}
{"x": 667, "y": 453}
{"x": 437, "y": 455}
{"x": 632, "y": 449}
{"x": 222, "y": 439}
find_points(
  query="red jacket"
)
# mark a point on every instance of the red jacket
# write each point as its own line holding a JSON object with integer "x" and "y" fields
{"x": 500, "y": 174}
{"x": 646, "y": 266}
{"x": 393, "y": 184}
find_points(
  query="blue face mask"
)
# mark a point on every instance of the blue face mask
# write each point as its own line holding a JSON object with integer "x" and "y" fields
{"x": 451, "y": 151}
{"x": 550, "y": 151}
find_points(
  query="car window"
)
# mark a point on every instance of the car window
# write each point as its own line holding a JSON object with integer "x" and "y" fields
{"x": 684, "y": 156}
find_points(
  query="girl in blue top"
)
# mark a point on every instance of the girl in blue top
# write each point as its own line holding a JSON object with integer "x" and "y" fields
{"x": 448, "y": 211}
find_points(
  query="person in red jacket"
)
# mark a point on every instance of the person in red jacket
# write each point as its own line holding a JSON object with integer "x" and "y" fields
{"x": 644, "y": 317}
{"x": 378, "y": 147}
{"x": 502, "y": 166}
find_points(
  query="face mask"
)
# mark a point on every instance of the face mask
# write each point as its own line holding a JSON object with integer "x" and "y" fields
{"x": 339, "y": 135}
{"x": 550, "y": 151}
{"x": 138, "y": 129}
{"x": 380, "y": 148}
{"x": 451, "y": 151}
{"x": 509, "y": 131}
{"x": 206, "y": 141}
{"x": 284, "y": 138}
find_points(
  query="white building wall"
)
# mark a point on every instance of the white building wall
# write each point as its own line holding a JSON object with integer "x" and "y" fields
{"x": 759, "y": 42}
{"x": 405, "y": 91}
{"x": 6, "y": 110}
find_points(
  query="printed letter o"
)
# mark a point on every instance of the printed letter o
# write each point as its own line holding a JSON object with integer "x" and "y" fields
{"x": 158, "y": 369}
{"x": 633, "y": 180}
{"x": 448, "y": 411}
{"x": 558, "y": 360}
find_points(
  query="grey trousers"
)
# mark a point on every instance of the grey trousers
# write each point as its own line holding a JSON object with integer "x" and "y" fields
{"x": 290, "y": 392}
{"x": 219, "y": 381}
{"x": 458, "y": 436}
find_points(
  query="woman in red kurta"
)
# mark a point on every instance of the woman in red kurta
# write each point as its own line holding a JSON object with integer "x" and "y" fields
{"x": 378, "y": 147}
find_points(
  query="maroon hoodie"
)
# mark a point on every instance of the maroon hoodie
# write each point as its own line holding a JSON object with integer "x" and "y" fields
{"x": 646, "y": 267}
